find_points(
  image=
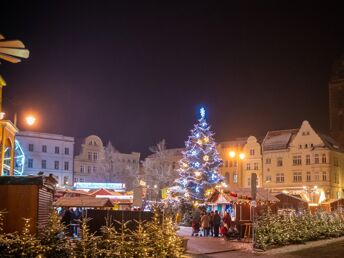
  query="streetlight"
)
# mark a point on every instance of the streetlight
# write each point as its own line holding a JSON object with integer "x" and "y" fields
{"x": 232, "y": 154}
{"x": 30, "y": 120}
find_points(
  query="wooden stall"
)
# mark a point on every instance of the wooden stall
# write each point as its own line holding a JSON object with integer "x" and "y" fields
{"x": 26, "y": 197}
{"x": 333, "y": 205}
{"x": 84, "y": 202}
{"x": 289, "y": 203}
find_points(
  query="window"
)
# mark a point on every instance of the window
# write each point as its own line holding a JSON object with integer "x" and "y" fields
{"x": 82, "y": 169}
{"x": 226, "y": 163}
{"x": 89, "y": 155}
{"x": 94, "y": 169}
{"x": 230, "y": 164}
{"x": 248, "y": 166}
{"x": 30, "y": 163}
{"x": 235, "y": 178}
{"x": 76, "y": 179}
{"x": 268, "y": 179}
{"x": 300, "y": 146}
{"x": 308, "y": 159}
{"x": 235, "y": 163}
{"x": 308, "y": 176}
{"x": 279, "y": 162}
{"x": 335, "y": 162}
{"x": 252, "y": 152}
{"x": 56, "y": 164}
{"x": 306, "y": 146}
{"x": 249, "y": 181}
{"x": 44, "y": 148}
{"x": 297, "y": 176}
{"x": 227, "y": 177}
{"x": 324, "y": 176}
{"x": 44, "y": 163}
{"x": 30, "y": 147}
{"x": 280, "y": 178}
{"x": 65, "y": 180}
{"x": 296, "y": 160}
{"x": 89, "y": 169}
{"x": 66, "y": 151}
{"x": 316, "y": 158}
{"x": 66, "y": 165}
{"x": 316, "y": 176}
{"x": 312, "y": 145}
{"x": 57, "y": 149}
{"x": 268, "y": 161}
{"x": 255, "y": 166}
{"x": 323, "y": 158}
{"x": 95, "y": 156}
{"x": 81, "y": 180}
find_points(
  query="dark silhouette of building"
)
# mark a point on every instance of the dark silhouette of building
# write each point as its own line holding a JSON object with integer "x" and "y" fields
{"x": 336, "y": 94}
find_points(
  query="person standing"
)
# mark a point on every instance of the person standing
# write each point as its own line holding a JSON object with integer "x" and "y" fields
{"x": 205, "y": 219}
{"x": 216, "y": 223}
{"x": 211, "y": 223}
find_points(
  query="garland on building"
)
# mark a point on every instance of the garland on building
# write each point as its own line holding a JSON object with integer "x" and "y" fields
{"x": 200, "y": 163}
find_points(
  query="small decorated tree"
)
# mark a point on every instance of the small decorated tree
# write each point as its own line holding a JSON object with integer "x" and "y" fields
{"x": 200, "y": 163}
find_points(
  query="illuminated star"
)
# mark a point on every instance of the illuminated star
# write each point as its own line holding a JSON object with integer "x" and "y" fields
{"x": 202, "y": 111}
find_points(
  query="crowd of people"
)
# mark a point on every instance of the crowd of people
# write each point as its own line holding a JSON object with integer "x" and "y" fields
{"x": 213, "y": 224}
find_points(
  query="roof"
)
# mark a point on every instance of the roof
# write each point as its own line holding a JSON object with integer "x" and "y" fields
{"x": 278, "y": 140}
{"x": 83, "y": 202}
{"x": 330, "y": 142}
{"x": 48, "y": 181}
{"x": 242, "y": 194}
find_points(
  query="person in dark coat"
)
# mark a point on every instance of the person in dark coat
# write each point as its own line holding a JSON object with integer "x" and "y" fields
{"x": 67, "y": 218}
{"x": 216, "y": 223}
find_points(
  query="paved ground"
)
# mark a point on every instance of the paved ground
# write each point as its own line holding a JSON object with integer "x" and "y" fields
{"x": 208, "y": 247}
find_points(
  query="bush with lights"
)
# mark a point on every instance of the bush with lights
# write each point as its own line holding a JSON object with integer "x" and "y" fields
{"x": 278, "y": 230}
{"x": 200, "y": 163}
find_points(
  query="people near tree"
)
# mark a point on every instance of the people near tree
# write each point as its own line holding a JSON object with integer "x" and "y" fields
{"x": 195, "y": 226}
{"x": 211, "y": 223}
{"x": 205, "y": 220}
{"x": 216, "y": 223}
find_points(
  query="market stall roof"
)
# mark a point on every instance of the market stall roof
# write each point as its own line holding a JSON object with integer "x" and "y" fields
{"x": 220, "y": 198}
{"x": 262, "y": 194}
{"x": 83, "y": 202}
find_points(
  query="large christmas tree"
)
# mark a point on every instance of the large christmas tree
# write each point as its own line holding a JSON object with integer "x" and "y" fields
{"x": 199, "y": 165}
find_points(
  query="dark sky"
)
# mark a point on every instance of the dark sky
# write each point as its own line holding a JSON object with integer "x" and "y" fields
{"x": 135, "y": 72}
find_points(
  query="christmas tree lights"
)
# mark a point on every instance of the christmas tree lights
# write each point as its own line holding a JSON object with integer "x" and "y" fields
{"x": 199, "y": 165}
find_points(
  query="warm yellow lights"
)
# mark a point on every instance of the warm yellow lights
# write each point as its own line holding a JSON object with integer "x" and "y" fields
{"x": 205, "y": 157}
{"x": 242, "y": 156}
{"x": 199, "y": 141}
{"x": 232, "y": 154}
{"x": 30, "y": 120}
{"x": 206, "y": 139}
{"x": 197, "y": 173}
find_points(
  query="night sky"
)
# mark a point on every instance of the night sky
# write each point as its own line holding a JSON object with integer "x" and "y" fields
{"x": 135, "y": 72}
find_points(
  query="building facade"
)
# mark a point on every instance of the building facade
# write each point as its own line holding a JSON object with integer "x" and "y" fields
{"x": 98, "y": 164}
{"x": 48, "y": 154}
{"x": 303, "y": 162}
{"x": 241, "y": 157}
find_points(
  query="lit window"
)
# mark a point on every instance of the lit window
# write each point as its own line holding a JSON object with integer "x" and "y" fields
{"x": 323, "y": 158}
{"x": 31, "y": 147}
{"x": 248, "y": 166}
{"x": 268, "y": 179}
{"x": 30, "y": 163}
{"x": 44, "y": 148}
{"x": 324, "y": 176}
{"x": 65, "y": 180}
{"x": 235, "y": 178}
{"x": 255, "y": 166}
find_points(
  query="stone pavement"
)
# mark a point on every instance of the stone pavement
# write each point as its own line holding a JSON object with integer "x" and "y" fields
{"x": 198, "y": 246}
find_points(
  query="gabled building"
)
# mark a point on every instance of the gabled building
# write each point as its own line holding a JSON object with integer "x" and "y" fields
{"x": 303, "y": 162}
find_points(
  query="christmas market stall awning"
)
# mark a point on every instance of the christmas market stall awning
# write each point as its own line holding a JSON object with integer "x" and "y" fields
{"x": 86, "y": 202}
{"x": 244, "y": 194}
{"x": 221, "y": 198}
